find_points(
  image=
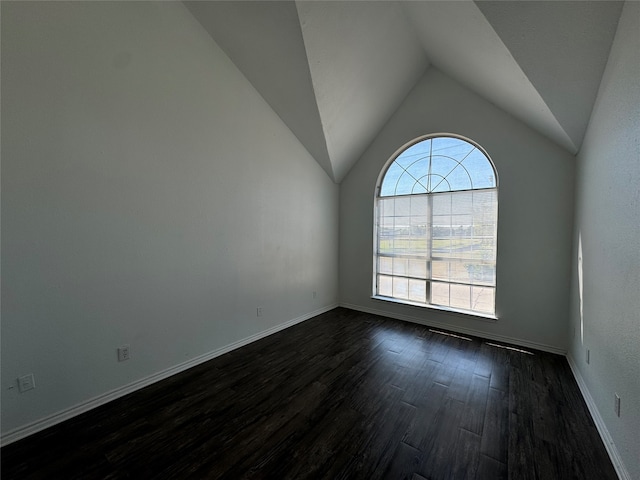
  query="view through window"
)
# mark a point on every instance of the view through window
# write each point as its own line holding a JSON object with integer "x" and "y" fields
{"x": 436, "y": 226}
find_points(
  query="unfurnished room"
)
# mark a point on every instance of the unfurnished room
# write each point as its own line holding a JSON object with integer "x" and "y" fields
{"x": 320, "y": 239}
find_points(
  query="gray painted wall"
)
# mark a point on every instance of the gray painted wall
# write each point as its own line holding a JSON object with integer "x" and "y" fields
{"x": 150, "y": 197}
{"x": 608, "y": 224}
{"x": 535, "y": 208}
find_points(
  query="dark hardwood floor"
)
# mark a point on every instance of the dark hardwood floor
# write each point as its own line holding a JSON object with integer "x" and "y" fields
{"x": 345, "y": 395}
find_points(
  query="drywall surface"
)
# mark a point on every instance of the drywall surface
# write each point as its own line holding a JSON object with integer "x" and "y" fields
{"x": 150, "y": 197}
{"x": 607, "y": 234}
{"x": 535, "y": 208}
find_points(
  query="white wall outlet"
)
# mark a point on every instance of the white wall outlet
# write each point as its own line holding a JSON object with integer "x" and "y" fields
{"x": 588, "y": 356}
{"x": 26, "y": 382}
{"x": 616, "y": 405}
{"x": 314, "y": 294}
{"x": 123, "y": 353}
{"x": 259, "y": 311}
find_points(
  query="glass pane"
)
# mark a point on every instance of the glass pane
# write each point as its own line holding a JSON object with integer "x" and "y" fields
{"x": 385, "y": 265}
{"x": 418, "y": 150}
{"x": 419, "y": 168}
{"x": 386, "y": 207}
{"x": 460, "y": 296}
{"x": 385, "y": 244}
{"x": 390, "y": 180}
{"x": 385, "y": 286}
{"x": 440, "y": 270}
{"x": 483, "y": 299}
{"x": 419, "y": 224}
{"x": 418, "y": 290}
{"x": 441, "y": 204}
{"x": 462, "y": 202}
{"x": 419, "y": 205}
{"x": 480, "y": 169}
{"x": 401, "y": 288}
{"x": 440, "y": 294}
{"x": 459, "y": 179}
{"x": 387, "y": 222}
{"x": 418, "y": 268}
{"x": 400, "y": 266}
{"x": 405, "y": 184}
{"x": 481, "y": 273}
{"x": 403, "y": 207}
{"x": 440, "y": 247}
{"x": 420, "y": 186}
{"x": 441, "y": 167}
{"x": 452, "y": 147}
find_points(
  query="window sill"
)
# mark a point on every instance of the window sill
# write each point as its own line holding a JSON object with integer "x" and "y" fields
{"x": 448, "y": 310}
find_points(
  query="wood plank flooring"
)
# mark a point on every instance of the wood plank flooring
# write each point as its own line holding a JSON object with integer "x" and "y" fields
{"x": 345, "y": 395}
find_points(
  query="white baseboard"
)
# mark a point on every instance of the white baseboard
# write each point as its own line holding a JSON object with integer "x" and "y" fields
{"x": 455, "y": 328}
{"x": 612, "y": 450}
{"x": 61, "y": 416}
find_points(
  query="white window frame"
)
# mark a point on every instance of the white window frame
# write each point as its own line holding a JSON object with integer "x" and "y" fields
{"x": 429, "y": 280}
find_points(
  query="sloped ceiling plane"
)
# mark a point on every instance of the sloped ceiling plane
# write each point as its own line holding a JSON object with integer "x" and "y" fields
{"x": 335, "y": 71}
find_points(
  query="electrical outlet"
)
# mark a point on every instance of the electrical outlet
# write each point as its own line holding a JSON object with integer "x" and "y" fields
{"x": 314, "y": 294}
{"x": 123, "y": 353}
{"x": 259, "y": 311}
{"x": 26, "y": 383}
{"x": 588, "y": 356}
{"x": 616, "y": 405}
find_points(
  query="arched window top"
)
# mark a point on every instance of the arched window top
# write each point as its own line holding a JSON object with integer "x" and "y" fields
{"x": 442, "y": 163}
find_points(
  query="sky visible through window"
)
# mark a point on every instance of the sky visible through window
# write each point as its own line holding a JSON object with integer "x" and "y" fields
{"x": 442, "y": 164}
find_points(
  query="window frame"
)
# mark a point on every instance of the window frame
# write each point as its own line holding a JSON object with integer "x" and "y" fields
{"x": 429, "y": 280}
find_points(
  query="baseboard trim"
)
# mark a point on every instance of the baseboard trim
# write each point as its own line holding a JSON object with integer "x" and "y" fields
{"x": 455, "y": 328}
{"x": 612, "y": 450}
{"x": 66, "y": 414}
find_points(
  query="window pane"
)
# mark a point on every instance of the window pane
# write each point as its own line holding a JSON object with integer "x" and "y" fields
{"x": 418, "y": 268}
{"x": 440, "y": 270}
{"x": 460, "y": 296}
{"x": 386, "y": 207}
{"x": 403, "y": 207}
{"x": 385, "y": 265}
{"x": 451, "y": 147}
{"x": 441, "y": 167}
{"x": 462, "y": 202}
{"x": 440, "y": 294}
{"x": 388, "y": 186}
{"x": 385, "y": 286}
{"x": 401, "y": 288}
{"x": 459, "y": 179}
{"x": 419, "y": 167}
{"x": 418, "y": 290}
{"x": 400, "y": 266}
{"x": 441, "y": 204}
{"x": 481, "y": 273}
{"x": 483, "y": 299}
{"x": 418, "y": 150}
{"x": 480, "y": 169}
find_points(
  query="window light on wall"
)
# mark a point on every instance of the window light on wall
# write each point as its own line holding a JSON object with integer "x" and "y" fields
{"x": 436, "y": 213}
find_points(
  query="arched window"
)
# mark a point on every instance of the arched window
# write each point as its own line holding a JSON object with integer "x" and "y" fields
{"x": 436, "y": 226}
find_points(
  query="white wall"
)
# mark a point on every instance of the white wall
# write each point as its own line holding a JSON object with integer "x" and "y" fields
{"x": 535, "y": 208}
{"x": 150, "y": 197}
{"x": 608, "y": 224}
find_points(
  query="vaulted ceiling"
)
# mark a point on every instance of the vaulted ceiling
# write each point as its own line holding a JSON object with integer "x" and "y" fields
{"x": 335, "y": 71}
